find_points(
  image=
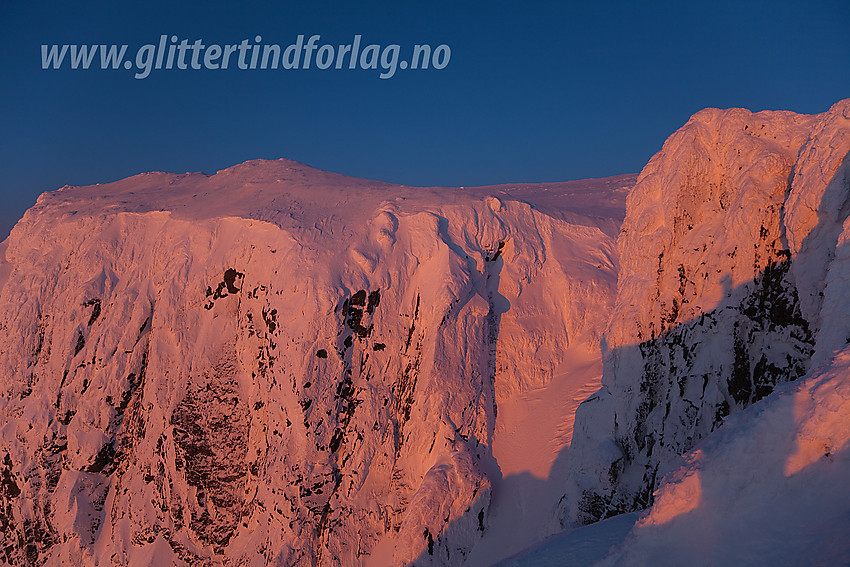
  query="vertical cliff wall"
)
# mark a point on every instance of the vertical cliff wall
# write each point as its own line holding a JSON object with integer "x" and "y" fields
{"x": 727, "y": 287}
{"x": 279, "y": 366}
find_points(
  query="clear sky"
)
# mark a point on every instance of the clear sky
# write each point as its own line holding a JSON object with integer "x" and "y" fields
{"x": 534, "y": 91}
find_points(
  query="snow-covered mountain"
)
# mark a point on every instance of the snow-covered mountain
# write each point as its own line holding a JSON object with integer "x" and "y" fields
{"x": 733, "y": 280}
{"x": 734, "y": 283}
{"x": 278, "y": 365}
{"x": 728, "y": 285}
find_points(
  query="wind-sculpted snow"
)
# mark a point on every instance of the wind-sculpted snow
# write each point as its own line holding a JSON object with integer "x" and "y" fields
{"x": 732, "y": 280}
{"x": 280, "y": 366}
{"x": 769, "y": 488}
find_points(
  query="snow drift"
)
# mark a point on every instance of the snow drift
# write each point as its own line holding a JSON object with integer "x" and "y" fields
{"x": 769, "y": 488}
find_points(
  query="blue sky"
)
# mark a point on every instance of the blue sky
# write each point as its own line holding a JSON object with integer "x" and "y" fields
{"x": 534, "y": 91}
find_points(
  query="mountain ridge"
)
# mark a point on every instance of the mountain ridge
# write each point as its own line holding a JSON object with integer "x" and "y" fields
{"x": 284, "y": 377}
{"x": 278, "y": 365}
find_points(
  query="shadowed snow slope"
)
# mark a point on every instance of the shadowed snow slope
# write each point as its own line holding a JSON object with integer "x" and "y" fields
{"x": 769, "y": 488}
{"x": 275, "y": 365}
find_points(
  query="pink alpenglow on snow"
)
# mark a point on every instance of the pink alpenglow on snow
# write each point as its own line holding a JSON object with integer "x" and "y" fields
{"x": 280, "y": 365}
{"x": 276, "y": 365}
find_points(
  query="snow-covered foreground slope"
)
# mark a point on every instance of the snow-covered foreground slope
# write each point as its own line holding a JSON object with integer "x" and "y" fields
{"x": 277, "y": 365}
{"x": 768, "y": 488}
{"x": 581, "y": 547}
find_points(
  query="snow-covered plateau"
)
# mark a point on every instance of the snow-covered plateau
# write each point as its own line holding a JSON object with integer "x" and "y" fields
{"x": 276, "y": 365}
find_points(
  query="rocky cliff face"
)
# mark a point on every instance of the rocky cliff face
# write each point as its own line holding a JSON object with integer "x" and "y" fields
{"x": 729, "y": 253}
{"x": 279, "y": 366}
{"x": 275, "y": 365}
